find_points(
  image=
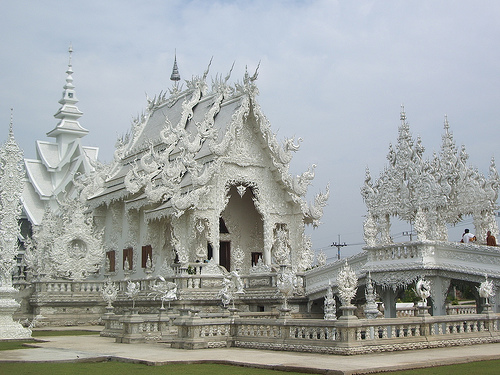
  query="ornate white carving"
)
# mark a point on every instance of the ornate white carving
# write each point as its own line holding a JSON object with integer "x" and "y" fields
{"x": 238, "y": 257}
{"x": 347, "y": 285}
{"x": 65, "y": 245}
{"x": 11, "y": 177}
{"x": 330, "y": 306}
{"x": 231, "y": 286}
{"x": 486, "y": 289}
{"x": 165, "y": 290}
{"x": 321, "y": 258}
{"x": 11, "y": 188}
{"x": 281, "y": 248}
{"x": 371, "y": 309}
{"x": 260, "y": 267}
{"x": 109, "y": 292}
{"x": 429, "y": 193}
{"x": 132, "y": 292}
{"x": 286, "y": 285}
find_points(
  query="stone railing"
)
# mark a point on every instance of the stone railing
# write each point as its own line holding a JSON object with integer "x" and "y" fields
{"x": 470, "y": 259}
{"x": 63, "y": 287}
{"x": 460, "y": 309}
{"x": 343, "y": 336}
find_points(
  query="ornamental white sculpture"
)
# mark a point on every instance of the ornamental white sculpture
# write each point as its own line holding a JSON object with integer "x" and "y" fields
{"x": 165, "y": 290}
{"x": 430, "y": 193}
{"x": 347, "y": 284}
{"x": 132, "y": 292}
{"x": 286, "y": 286}
{"x": 330, "y": 305}
{"x": 423, "y": 290}
{"x": 109, "y": 294}
{"x": 486, "y": 290}
{"x": 371, "y": 308}
{"x": 11, "y": 175}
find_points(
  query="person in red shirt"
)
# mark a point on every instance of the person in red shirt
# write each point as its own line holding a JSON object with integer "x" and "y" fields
{"x": 490, "y": 240}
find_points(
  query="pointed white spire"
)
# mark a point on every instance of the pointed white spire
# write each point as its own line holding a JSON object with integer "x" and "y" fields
{"x": 68, "y": 129}
{"x": 175, "y": 76}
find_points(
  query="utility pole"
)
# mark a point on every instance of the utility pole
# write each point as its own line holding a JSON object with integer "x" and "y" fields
{"x": 338, "y": 245}
{"x": 408, "y": 234}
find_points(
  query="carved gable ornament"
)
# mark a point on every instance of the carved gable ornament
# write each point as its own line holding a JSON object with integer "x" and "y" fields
{"x": 67, "y": 241}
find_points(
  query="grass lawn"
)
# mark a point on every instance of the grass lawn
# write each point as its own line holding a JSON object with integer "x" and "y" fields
{"x": 120, "y": 368}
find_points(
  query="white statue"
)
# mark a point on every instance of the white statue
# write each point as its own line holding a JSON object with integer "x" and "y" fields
{"x": 165, "y": 290}
{"x": 286, "y": 285}
{"x": 226, "y": 293}
{"x": 423, "y": 290}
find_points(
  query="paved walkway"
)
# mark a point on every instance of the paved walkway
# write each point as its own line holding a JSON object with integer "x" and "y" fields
{"x": 88, "y": 348}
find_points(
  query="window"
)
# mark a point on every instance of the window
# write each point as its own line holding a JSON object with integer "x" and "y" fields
{"x": 147, "y": 251}
{"x": 111, "y": 259}
{"x": 128, "y": 255}
{"x": 255, "y": 258}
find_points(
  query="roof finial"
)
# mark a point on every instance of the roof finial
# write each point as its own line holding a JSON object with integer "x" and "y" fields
{"x": 403, "y": 113}
{"x": 11, "y": 125}
{"x": 70, "y": 50}
{"x": 175, "y": 76}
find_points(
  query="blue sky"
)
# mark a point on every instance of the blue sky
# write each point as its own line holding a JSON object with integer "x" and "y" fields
{"x": 332, "y": 72}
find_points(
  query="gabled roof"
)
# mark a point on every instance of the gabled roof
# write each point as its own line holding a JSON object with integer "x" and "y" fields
{"x": 48, "y": 153}
{"x": 181, "y": 142}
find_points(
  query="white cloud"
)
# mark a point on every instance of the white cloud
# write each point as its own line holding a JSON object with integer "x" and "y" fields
{"x": 332, "y": 72}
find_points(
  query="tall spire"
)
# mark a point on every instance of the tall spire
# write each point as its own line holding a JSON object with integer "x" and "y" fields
{"x": 175, "y": 76}
{"x": 68, "y": 128}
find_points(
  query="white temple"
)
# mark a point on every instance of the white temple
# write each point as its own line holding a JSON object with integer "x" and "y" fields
{"x": 199, "y": 209}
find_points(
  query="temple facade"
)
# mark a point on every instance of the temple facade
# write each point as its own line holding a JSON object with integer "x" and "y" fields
{"x": 200, "y": 180}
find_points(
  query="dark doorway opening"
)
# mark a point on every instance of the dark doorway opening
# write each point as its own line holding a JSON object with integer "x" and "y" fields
{"x": 225, "y": 255}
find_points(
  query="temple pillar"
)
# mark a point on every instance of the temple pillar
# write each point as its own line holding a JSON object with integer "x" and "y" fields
{"x": 268, "y": 241}
{"x": 439, "y": 291}
{"x": 216, "y": 244}
{"x": 388, "y": 296}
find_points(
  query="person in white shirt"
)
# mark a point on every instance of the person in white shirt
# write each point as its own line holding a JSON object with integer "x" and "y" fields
{"x": 468, "y": 237}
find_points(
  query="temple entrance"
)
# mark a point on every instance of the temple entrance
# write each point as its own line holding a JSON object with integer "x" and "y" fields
{"x": 225, "y": 255}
